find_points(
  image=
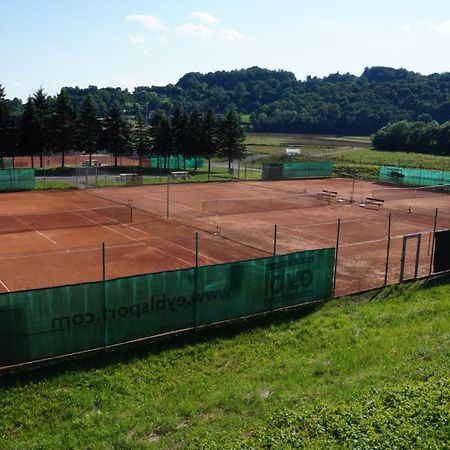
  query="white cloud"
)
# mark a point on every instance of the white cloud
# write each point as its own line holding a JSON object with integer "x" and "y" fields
{"x": 135, "y": 38}
{"x": 443, "y": 27}
{"x": 231, "y": 35}
{"x": 162, "y": 40}
{"x": 149, "y": 22}
{"x": 407, "y": 28}
{"x": 192, "y": 29}
{"x": 204, "y": 17}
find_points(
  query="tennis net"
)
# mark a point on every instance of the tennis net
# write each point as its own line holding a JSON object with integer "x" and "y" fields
{"x": 109, "y": 215}
{"x": 260, "y": 204}
{"x": 404, "y": 193}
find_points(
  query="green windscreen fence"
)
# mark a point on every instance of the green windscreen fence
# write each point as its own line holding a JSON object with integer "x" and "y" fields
{"x": 441, "y": 258}
{"x": 12, "y": 180}
{"x": 51, "y": 322}
{"x": 301, "y": 169}
{"x": 175, "y": 162}
{"x": 413, "y": 177}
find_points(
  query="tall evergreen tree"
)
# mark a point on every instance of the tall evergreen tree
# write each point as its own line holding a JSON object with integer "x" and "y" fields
{"x": 4, "y": 125}
{"x": 28, "y": 131}
{"x": 88, "y": 132}
{"x": 209, "y": 136}
{"x": 35, "y": 136}
{"x": 231, "y": 138}
{"x": 116, "y": 133}
{"x": 164, "y": 140}
{"x": 179, "y": 124}
{"x": 194, "y": 136}
{"x": 154, "y": 126}
{"x": 42, "y": 123}
{"x": 141, "y": 138}
{"x": 63, "y": 125}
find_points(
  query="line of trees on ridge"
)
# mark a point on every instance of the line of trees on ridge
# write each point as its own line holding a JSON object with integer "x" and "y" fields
{"x": 276, "y": 101}
{"x": 422, "y": 137}
{"x": 47, "y": 127}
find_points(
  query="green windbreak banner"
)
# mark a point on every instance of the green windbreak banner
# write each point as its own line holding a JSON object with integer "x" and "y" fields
{"x": 50, "y": 322}
{"x": 441, "y": 259}
{"x": 301, "y": 169}
{"x": 175, "y": 162}
{"x": 413, "y": 177}
{"x": 12, "y": 180}
{"x": 43, "y": 323}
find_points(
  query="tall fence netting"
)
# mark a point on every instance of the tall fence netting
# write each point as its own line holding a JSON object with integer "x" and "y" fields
{"x": 12, "y": 180}
{"x": 45, "y": 323}
{"x": 413, "y": 177}
{"x": 301, "y": 169}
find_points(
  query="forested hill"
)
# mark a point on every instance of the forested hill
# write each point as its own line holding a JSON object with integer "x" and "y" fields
{"x": 277, "y": 102}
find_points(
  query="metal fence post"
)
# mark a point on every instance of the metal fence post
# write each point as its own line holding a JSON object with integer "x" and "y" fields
{"x": 388, "y": 248}
{"x": 104, "y": 295}
{"x": 433, "y": 240}
{"x": 338, "y": 233}
{"x": 275, "y": 233}
{"x": 196, "y": 283}
{"x": 196, "y": 249}
{"x": 167, "y": 197}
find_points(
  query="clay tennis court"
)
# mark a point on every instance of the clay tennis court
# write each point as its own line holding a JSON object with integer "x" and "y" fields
{"x": 55, "y": 238}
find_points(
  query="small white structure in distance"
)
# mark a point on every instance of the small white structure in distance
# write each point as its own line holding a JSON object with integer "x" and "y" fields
{"x": 293, "y": 151}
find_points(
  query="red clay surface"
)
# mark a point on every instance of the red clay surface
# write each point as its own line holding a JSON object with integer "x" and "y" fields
{"x": 52, "y": 257}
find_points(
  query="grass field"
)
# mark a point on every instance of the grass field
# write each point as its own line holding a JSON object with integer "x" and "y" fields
{"x": 344, "y": 150}
{"x": 52, "y": 184}
{"x": 366, "y": 368}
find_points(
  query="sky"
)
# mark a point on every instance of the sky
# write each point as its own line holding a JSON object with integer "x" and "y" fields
{"x": 128, "y": 43}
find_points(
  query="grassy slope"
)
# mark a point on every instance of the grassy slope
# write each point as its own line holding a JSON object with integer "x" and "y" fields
{"x": 217, "y": 387}
{"x": 274, "y": 145}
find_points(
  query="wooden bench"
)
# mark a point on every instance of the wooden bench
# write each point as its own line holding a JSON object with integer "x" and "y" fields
{"x": 328, "y": 195}
{"x": 373, "y": 203}
{"x": 93, "y": 162}
{"x": 183, "y": 174}
{"x": 133, "y": 179}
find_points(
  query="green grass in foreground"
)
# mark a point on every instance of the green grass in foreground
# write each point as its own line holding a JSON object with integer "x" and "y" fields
{"x": 343, "y": 373}
{"x": 53, "y": 184}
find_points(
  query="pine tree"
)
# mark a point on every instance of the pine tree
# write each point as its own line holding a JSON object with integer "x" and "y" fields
{"x": 209, "y": 136}
{"x": 88, "y": 130}
{"x": 4, "y": 125}
{"x": 231, "y": 138}
{"x": 194, "y": 136}
{"x": 27, "y": 130}
{"x": 154, "y": 125}
{"x": 63, "y": 125}
{"x": 35, "y": 138}
{"x": 141, "y": 138}
{"x": 116, "y": 133}
{"x": 179, "y": 125}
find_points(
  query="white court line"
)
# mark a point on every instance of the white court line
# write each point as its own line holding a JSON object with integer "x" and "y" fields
{"x": 148, "y": 245}
{"x": 51, "y": 240}
{"x": 42, "y": 234}
{"x": 79, "y": 250}
{"x": 280, "y": 232}
{"x": 4, "y": 285}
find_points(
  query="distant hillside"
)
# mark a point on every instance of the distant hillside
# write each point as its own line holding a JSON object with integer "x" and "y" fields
{"x": 277, "y": 102}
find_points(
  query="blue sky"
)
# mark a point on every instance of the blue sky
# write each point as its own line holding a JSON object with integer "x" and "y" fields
{"x": 127, "y": 43}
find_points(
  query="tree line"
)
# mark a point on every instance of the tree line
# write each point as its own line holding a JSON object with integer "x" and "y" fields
{"x": 422, "y": 137}
{"x": 47, "y": 126}
{"x": 275, "y": 101}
